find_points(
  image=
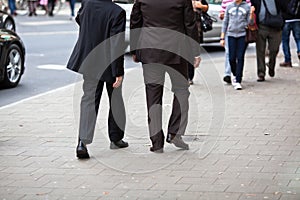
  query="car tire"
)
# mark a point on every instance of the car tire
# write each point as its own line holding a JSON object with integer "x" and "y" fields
{"x": 14, "y": 66}
{"x": 9, "y": 24}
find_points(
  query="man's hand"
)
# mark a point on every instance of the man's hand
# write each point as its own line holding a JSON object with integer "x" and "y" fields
{"x": 134, "y": 58}
{"x": 118, "y": 81}
{"x": 197, "y": 61}
{"x": 221, "y": 15}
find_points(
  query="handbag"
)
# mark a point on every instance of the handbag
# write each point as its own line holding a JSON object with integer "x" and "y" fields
{"x": 252, "y": 31}
{"x": 273, "y": 21}
{"x": 207, "y": 21}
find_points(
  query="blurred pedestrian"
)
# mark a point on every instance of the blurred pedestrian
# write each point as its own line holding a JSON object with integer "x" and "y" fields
{"x": 292, "y": 24}
{"x": 72, "y": 8}
{"x": 12, "y": 7}
{"x": 227, "y": 73}
{"x": 237, "y": 16}
{"x": 268, "y": 32}
{"x": 44, "y": 5}
{"x": 102, "y": 23}
{"x": 32, "y": 4}
{"x": 51, "y": 6}
{"x": 169, "y": 20}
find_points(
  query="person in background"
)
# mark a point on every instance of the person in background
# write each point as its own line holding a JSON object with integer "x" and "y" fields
{"x": 227, "y": 73}
{"x": 237, "y": 16}
{"x": 44, "y": 4}
{"x": 267, "y": 34}
{"x": 51, "y": 5}
{"x": 72, "y": 7}
{"x": 292, "y": 24}
{"x": 12, "y": 7}
{"x": 199, "y": 6}
{"x": 32, "y": 4}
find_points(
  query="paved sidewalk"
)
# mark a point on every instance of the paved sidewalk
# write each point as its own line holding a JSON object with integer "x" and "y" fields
{"x": 244, "y": 144}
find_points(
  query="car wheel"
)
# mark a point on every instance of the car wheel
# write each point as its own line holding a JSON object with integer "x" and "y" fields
{"x": 9, "y": 24}
{"x": 13, "y": 66}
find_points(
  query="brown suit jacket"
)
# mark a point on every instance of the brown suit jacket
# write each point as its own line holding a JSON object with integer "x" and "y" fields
{"x": 159, "y": 27}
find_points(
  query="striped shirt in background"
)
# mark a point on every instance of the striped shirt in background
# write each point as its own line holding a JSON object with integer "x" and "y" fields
{"x": 225, "y": 3}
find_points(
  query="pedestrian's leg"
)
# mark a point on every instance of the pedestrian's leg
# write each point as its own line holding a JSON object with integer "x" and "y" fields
{"x": 241, "y": 47}
{"x": 92, "y": 91}
{"x": 180, "y": 107}
{"x": 286, "y": 42}
{"x": 274, "y": 40}
{"x": 154, "y": 77}
{"x": 260, "y": 51}
{"x": 72, "y": 7}
{"x": 30, "y": 8}
{"x": 232, "y": 42}
{"x": 117, "y": 116}
{"x": 296, "y": 34}
{"x": 227, "y": 74}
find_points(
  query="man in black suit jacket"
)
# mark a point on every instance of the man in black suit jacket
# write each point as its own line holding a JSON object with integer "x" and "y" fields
{"x": 158, "y": 39}
{"x": 98, "y": 55}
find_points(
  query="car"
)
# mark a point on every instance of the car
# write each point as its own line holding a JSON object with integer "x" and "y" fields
{"x": 213, "y": 10}
{"x": 7, "y": 21}
{"x": 12, "y": 58}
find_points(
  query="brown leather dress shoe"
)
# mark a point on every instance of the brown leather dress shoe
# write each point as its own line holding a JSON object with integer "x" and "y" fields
{"x": 177, "y": 141}
{"x": 261, "y": 79}
{"x": 119, "y": 144}
{"x": 285, "y": 64}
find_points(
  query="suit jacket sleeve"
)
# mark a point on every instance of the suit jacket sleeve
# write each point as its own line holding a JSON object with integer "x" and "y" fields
{"x": 117, "y": 44}
{"x": 191, "y": 28}
{"x": 136, "y": 22}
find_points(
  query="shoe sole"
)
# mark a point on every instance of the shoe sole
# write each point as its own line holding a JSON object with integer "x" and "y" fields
{"x": 112, "y": 146}
{"x": 82, "y": 155}
{"x": 181, "y": 147}
{"x": 157, "y": 151}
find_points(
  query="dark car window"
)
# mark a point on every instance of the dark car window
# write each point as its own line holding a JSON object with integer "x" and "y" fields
{"x": 124, "y": 1}
{"x": 218, "y": 2}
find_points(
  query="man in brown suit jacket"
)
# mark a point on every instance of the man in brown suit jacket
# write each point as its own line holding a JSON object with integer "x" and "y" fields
{"x": 164, "y": 38}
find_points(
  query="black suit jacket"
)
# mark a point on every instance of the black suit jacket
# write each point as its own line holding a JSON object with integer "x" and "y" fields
{"x": 99, "y": 51}
{"x": 165, "y": 25}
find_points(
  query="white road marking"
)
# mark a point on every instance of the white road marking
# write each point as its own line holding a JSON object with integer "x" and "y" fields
{"x": 45, "y": 23}
{"x": 48, "y": 33}
{"x": 36, "y": 96}
{"x": 46, "y": 93}
{"x": 52, "y": 67}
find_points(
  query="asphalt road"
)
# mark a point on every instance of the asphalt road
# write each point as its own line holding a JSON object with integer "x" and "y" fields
{"x": 49, "y": 42}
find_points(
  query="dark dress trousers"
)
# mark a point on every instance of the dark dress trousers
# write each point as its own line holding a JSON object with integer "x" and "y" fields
{"x": 163, "y": 36}
{"x": 267, "y": 35}
{"x": 99, "y": 56}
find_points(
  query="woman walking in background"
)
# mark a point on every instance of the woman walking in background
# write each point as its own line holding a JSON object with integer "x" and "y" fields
{"x": 72, "y": 7}
{"x": 237, "y": 16}
{"x": 227, "y": 73}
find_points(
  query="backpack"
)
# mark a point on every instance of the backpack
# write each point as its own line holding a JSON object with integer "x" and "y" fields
{"x": 294, "y": 8}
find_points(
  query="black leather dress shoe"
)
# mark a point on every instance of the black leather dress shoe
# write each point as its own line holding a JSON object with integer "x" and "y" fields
{"x": 177, "y": 141}
{"x": 81, "y": 151}
{"x": 119, "y": 144}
